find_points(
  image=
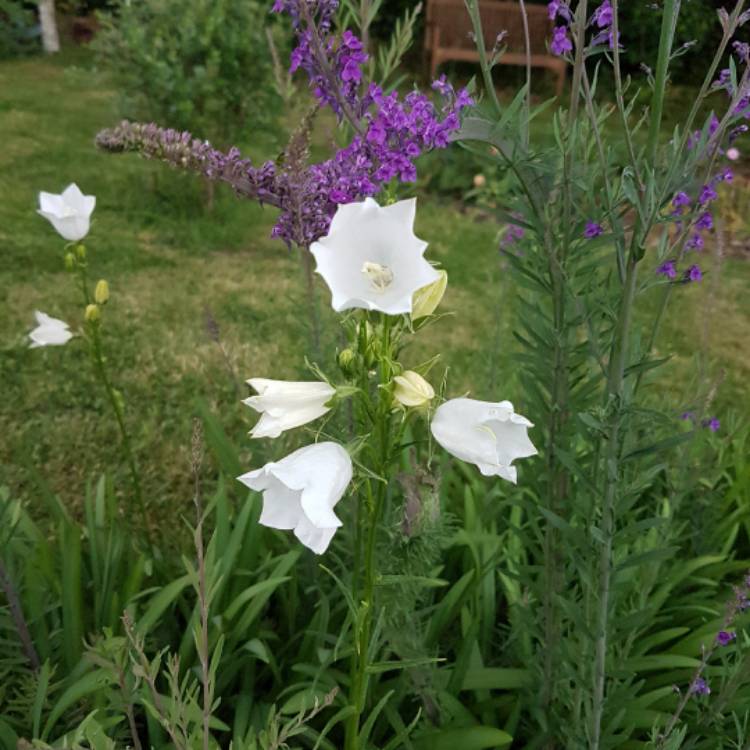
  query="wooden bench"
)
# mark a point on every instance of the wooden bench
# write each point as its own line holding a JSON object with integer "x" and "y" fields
{"x": 448, "y": 34}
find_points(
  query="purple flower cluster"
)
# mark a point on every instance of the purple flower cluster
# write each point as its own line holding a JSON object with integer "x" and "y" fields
{"x": 699, "y": 687}
{"x": 390, "y": 133}
{"x": 592, "y": 230}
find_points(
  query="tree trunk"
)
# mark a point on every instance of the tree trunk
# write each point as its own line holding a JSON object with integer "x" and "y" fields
{"x": 50, "y": 37}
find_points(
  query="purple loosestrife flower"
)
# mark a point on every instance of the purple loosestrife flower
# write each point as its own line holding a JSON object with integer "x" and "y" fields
{"x": 667, "y": 269}
{"x": 705, "y": 221}
{"x": 707, "y": 194}
{"x": 693, "y": 273}
{"x": 712, "y": 424}
{"x": 603, "y": 15}
{"x": 681, "y": 199}
{"x": 695, "y": 243}
{"x": 699, "y": 687}
{"x": 560, "y": 42}
{"x": 725, "y": 637}
{"x": 558, "y": 8}
{"x": 592, "y": 230}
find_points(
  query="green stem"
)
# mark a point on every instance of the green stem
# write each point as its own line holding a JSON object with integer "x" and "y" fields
{"x": 476, "y": 22}
{"x": 668, "y": 25}
{"x": 95, "y": 347}
{"x": 374, "y": 502}
{"x": 115, "y": 403}
{"x": 615, "y": 388}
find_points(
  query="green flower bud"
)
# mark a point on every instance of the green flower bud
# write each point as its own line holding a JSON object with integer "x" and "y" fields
{"x": 92, "y": 314}
{"x": 70, "y": 261}
{"x": 81, "y": 252}
{"x": 347, "y": 359}
{"x": 426, "y": 299}
{"x": 101, "y": 293}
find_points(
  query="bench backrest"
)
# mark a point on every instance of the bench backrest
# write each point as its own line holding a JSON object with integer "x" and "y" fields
{"x": 452, "y": 20}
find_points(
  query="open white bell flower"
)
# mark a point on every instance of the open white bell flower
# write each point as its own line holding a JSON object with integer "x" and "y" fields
{"x": 371, "y": 258}
{"x": 49, "y": 331}
{"x": 490, "y": 435}
{"x": 301, "y": 491}
{"x": 284, "y": 405}
{"x": 69, "y": 213}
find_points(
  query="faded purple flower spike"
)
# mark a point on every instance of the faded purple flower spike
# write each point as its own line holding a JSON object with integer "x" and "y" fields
{"x": 560, "y": 42}
{"x": 693, "y": 273}
{"x": 699, "y": 687}
{"x": 667, "y": 269}
{"x": 592, "y": 230}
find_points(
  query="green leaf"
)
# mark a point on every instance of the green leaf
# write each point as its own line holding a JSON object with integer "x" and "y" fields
{"x": 466, "y": 738}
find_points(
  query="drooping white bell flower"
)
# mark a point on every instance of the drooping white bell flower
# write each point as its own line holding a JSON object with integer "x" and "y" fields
{"x": 69, "y": 213}
{"x": 49, "y": 331}
{"x": 301, "y": 491}
{"x": 372, "y": 259}
{"x": 284, "y": 405}
{"x": 490, "y": 435}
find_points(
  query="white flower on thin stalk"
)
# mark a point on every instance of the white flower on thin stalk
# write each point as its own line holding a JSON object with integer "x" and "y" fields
{"x": 284, "y": 405}
{"x": 49, "y": 331}
{"x": 69, "y": 213}
{"x": 301, "y": 491}
{"x": 490, "y": 435}
{"x": 371, "y": 258}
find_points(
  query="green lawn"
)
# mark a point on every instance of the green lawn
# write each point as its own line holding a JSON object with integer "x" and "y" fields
{"x": 168, "y": 261}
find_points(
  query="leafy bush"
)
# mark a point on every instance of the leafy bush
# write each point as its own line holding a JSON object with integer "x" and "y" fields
{"x": 19, "y": 32}
{"x": 202, "y": 65}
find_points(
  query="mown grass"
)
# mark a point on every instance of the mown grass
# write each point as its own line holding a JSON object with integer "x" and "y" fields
{"x": 170, "y": 263}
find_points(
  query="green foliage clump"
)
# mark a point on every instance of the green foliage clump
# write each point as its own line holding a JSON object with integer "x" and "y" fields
{"x": 202, "y": 65}
{"x": 19, "y": 34}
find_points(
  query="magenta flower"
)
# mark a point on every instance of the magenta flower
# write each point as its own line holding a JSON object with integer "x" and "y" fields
{"x": 592, "y": 230}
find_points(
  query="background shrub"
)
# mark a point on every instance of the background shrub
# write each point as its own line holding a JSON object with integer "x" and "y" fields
{"x": 198, "y": 65}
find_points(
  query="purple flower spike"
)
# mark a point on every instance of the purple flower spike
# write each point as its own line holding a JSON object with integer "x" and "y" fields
{"x": 557, "y": 8}
{"x": 700, "y": 687}
{"x": 592, "y": 230}
{"x": 560, "y": 42}
{"x": 667, "y": 269}
{"x": 693, "y": 273}
{"x": 724, "y": 637}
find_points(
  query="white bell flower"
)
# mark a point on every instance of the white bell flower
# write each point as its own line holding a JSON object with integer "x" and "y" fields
{"x": 372, "y": 259}
{"x": 69, "y": 213}
{"x": 284, "y": 405}
{"x": 49, "y": 331}
{"x": 490, "y": 435}
{"x": 301, "y": 491}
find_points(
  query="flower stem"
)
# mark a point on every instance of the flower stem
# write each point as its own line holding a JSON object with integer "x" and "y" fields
{"x": 370, "y": 516}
